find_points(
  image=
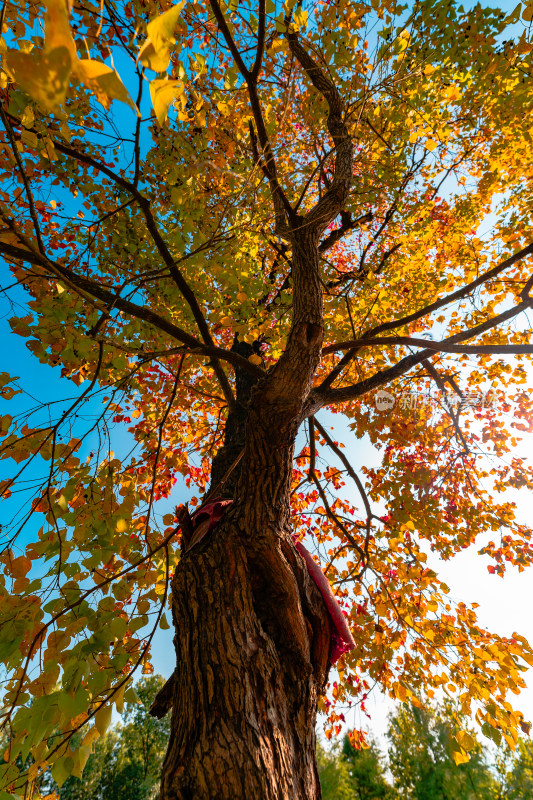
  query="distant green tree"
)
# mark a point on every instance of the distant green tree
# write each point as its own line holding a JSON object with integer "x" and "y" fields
{"x": 126, "y": 762}
{"x": 519, "y": 784}
{"x": 350, "y": 774}
{"x": 367, "y": 772}
{"x": 421, "y": 760}
{"x": 144, "y": 737}
{"x": 334, "y": 773}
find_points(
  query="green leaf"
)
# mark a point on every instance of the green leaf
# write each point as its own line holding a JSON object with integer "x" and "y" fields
{"x": 62, "y": 769}
{"x": 118, "y": 628}
{"x": 102, "y": 719}
{"x": 80, "y": 758}
{"x": 131, "y": 696}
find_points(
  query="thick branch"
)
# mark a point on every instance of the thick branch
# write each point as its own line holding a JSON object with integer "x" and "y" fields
{"x": 353, "y": 346}
{"x": 347, "y": 224}
{"x": 334, "y": 199}
{"x": 261, "y": 14}
{"x": 459, "y": 294}
{"x": 443, "y": 347}
{"x": 282, "y": 206}
{"x": 320, "y": 398}
{"x": 140, "y": 312}
{"x": 24, "y": 177}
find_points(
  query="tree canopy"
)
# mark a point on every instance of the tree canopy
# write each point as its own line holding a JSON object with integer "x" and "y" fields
{"x": 330, "y": 200}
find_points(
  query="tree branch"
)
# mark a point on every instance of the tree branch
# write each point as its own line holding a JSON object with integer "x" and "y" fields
{"x": 261, "y": 13}
{"x": 354, "y": 345}
{"x": 459, "y": 294}
{"x": 319, "y": 398}
{"x": 175, "y": 272}
{"x": 347, "y": 224}
{"x": 282, "y": 207}
{"x": 140, "y": 312}
{"x": 335, "y": 197}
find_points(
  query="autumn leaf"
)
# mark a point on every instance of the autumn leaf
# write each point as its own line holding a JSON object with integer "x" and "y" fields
{"x": 163, "y": 94}
{"x": 103, "y": 82}
{"x": 155, "y": 53}
{"x": 45, "y": 76}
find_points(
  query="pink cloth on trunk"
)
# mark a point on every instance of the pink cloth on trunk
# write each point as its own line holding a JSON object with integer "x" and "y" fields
{"x": 342, "y": 641}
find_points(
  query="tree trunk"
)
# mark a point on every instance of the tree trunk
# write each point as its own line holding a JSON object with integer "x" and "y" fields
{"x": 245, "y": 695}
{"x": 252, "y": 631}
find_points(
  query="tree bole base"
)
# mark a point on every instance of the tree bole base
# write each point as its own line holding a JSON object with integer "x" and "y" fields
{"x": 247, "y": 686}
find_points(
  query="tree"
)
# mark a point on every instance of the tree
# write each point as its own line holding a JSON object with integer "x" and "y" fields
{"x": 126, "y": 762}
{"x": 334, "y": 774}
{"x": 518, "y": 779}
{"x": 366, "y": 772}
{"x": 288, "y": 223}
{"x": 350, "y": 773}
{"x": 421, "y": 756}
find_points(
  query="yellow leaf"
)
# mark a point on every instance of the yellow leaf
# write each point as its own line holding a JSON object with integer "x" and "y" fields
{"x": 163, "y": 94}
{"x": 28, "y": 117}
{"x": 121, "y": 526}
{"x": 44, "y": 76}
{"x": 460, "y": 757}
{"x": 161, "y": 29}
{"x": 465, "y": 739}
{"x": 400, "y": 692}
{"x": 91, "y": 736}
{"x": 158, "y": 62}
{"x": 57, "y": 32}
{"x": 255, "y": 359}
{"x": 104, "y": 82}
{"x": 118, "y": 697}
{"x": 155, "y": 52}
{"x": 102, "y": 719}
{"x": 430, "y": 144}
{"x": 527, "y": 13}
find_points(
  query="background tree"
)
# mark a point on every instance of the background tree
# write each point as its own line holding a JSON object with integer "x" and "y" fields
{"x": 287, "y": 219}
{"x": 367, "y": 774}
{"x": 126, "y": 762}
{"x": 350, "y": 773}
{"x": 334, "y": 773}
{"x": 421, "y": 757}
{"x": 517, "y": 781}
